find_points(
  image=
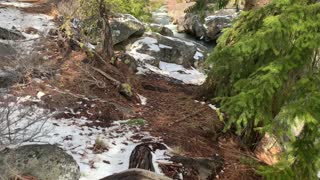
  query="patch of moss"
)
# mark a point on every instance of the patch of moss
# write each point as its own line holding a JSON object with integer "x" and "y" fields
{"x": 139, "y": 122}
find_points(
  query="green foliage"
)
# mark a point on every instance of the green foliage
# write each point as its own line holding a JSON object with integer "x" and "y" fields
{"x": 139, "y": 122}
{"x": 201, "y": 6}
{"x": 141, "y": 9}
{"x": 266, "y": 77}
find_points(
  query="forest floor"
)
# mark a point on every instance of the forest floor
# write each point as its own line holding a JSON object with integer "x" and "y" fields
{"x": 172, "y": 111}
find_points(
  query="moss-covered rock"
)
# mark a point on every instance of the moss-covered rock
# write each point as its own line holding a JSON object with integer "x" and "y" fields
{"x": 45, "y": 162}
{"x": 126, "y": 90}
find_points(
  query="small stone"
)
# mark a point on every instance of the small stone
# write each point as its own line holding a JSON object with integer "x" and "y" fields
{"x": 107, "y": 162}
{"x": 126, "y": 90}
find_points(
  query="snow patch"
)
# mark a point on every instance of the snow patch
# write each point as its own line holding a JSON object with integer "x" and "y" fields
{"x": 164, "y": 46}
{"x": 187, "y": 76}
{"x": 78, "y": 139}
{"x": 213, "y": 107}
{"x": 151, "y": 42}
{"x": 198, "y": 55}
{"x": 17, "y": 4}
{"x": 40, "y": 94}
{"x": 15, "y": 18}
{"x": 143, "y": 99}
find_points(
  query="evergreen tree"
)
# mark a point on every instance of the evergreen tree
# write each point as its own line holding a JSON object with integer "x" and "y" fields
{"x": 265, "y": 75}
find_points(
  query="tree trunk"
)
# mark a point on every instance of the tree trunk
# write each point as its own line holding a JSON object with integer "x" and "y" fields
{"x": 106, "y": 35}
{"x": 251, "y": 4}
{"x": 141, "y": 158}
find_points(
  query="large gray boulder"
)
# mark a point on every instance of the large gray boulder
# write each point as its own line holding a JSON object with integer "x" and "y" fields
{"x": 136, "y": 174}
{"x": 215, "y": 23}
{"x": 45, "y": 162}
{"x": 193, "y": 25}
{"x": 161, "y": 29}
{"x": 8, "y": 78}
{"x": 6, "y": 50}
{"x": 124, "y": 26}
{"x": 10, "y": 34}
{"x": 199, "y": 167}
{"x": 210, "y": 28}
{"x": 154, "y": 47}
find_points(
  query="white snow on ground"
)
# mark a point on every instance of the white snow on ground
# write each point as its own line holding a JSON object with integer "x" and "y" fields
{"x": 187, "y": 76}
{"x": 177, "y": 39}
{"x": 164, "y": 46}
{"x": 213, "y": 107}
{"x": 17, "y": 4}
{"x": 151, "y": 42}
{"x": 198, "y": 55}
{"x": 143, "y": 99}
{"x": 40, "y": 94}
{"x": 10, "y": 17}
{"x": 78, "y": 139}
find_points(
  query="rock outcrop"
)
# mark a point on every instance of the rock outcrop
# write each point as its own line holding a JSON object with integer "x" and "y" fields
{"x": 125, "y": 26}
{"x": 154, "y": 47}
{"x": 210, "y": 28}
{"x": 45, "y": 162}
{"x": 8, "y": 78}
{"x": 199, "y": 168}
{"x": 6, "y": 50}
{"x": 161, "y": 29}
{"x": 7, "y": 34}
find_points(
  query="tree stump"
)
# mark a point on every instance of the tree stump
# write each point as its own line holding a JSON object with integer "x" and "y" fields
{"x": 141, "y": 156}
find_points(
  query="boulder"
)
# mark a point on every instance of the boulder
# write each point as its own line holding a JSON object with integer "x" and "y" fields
{"x": 126, "y": 90}
{"x": 7, "y": 34}
{"x": 136, "y": 174}
{"x": 199, "y": 167}
{"x": 218, "y": 21}
{"x": 193, "y": 25}
{"x": 211, "y": 27}
{"x": 6, "y": 50}
{"x": 124, "y": 26}
{"x": 45, "y": 162}
{"x": 154, "y": 47}
{"x": 8, "y": 78}
{"x": 161, "y": 29}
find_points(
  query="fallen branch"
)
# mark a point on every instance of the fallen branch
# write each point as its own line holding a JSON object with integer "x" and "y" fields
{"x": 186, "y": 117}
{"x": 106, "y": 75}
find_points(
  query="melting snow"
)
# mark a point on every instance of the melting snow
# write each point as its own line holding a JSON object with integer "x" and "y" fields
{"x": 15, "y": 18}
{"x": 198, "y": 55}
{"x": 143, "y": 99}
{"x": 187, "y": 76}
{"x": 40, "y": 94}
{"x": 11, "y": 18}
{"x": 164, "y": 46}
{"x": 17, "y": 4}
{"x": 78, "y": 139}
{"x": 151, "y": 42}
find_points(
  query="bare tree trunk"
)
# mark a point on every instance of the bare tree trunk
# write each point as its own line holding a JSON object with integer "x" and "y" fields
{"x": 251, "y": 4}
{"x": 107, "y": 45}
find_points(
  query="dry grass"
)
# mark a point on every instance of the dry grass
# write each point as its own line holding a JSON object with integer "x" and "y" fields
{"x": 99, "y": 146}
